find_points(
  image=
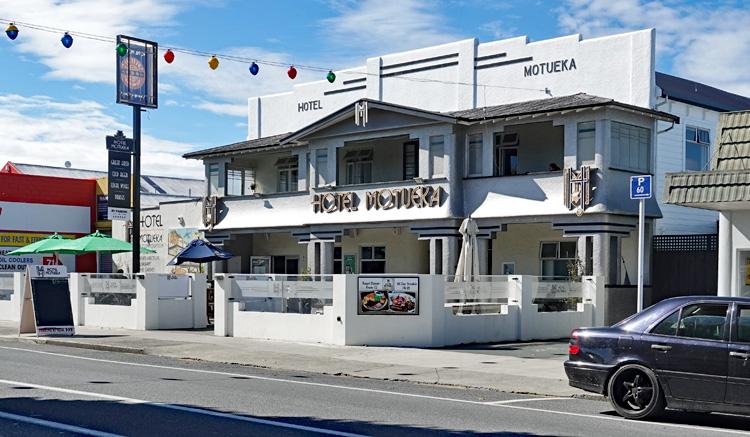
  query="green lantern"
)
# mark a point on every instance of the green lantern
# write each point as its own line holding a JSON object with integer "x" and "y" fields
{"x": 331, "y": 76}
{"x": 122, "y": 49}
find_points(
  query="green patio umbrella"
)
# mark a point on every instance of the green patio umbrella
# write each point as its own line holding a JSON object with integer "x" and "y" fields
{"x": 51, "y": 244}
{"x": 98, "y": 242}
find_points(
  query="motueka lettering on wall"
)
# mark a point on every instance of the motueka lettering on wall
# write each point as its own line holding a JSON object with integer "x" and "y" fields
{"x": 387, "y": 198}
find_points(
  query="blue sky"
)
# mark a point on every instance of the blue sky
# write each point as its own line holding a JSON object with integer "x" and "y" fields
{"x": 58, "y": 104}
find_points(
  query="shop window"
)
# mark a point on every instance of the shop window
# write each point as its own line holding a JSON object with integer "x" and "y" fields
{"x": 697, "y": 148}
{"x": 506, "y": 154}
{"x": 556, "y": 258}
{"x": 372, "y": 259}
{"x": 287, "y": 168}
{"x": 358, "y": 166}
{"x": 213, "y": 178}
{"x": 631, "y": 147}
{"x": 337, "y": 260}
{"x": 411, "y": 160}
{"x": 475, "y": 155}
{"x": 321, "y": 166}
{"x": 437, "y": 158}
{"x": 586, "y": 143}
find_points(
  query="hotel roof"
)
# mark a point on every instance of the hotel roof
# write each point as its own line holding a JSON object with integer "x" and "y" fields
{"x": 530, "y": 108}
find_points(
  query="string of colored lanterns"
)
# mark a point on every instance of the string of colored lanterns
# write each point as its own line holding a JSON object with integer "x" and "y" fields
{"x": 121, "y": 49}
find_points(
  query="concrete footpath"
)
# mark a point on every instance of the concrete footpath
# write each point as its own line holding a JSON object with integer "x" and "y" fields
{"x": 519, "y": 368}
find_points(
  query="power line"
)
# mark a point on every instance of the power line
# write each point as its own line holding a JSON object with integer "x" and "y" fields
{"x": 250, "y": 60}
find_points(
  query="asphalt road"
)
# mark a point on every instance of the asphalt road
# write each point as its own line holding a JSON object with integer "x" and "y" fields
{"x": 48, "y": 390}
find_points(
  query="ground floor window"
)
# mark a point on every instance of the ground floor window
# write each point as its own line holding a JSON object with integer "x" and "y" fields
{"x": 285, "y": 265}
{"x": 337, "y": 261}
{"x": 556, "y": 259}
{"x": 372, "y": 259}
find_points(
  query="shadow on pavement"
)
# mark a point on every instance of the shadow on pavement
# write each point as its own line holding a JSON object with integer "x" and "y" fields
{"x": 710, "y": 420}
{"x": 149, "y": 419}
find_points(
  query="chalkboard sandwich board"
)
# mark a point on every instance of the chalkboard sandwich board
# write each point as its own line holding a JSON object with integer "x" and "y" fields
{"x": 46, "y": 308}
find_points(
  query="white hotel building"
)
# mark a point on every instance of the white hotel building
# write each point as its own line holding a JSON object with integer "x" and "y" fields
{"x": 375, "y": 172}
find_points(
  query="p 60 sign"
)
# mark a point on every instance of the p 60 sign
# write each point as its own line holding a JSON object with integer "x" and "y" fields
{"x": 640, "y": 187}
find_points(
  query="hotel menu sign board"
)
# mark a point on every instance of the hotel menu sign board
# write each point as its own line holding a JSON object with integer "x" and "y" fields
{"x": 388, "y": 295}
{"x": 118, "y": 172}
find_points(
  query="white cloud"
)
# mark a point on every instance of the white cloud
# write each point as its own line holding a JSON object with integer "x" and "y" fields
{"x": 706, "y": 42}
{"x": 384, "y": 26}
{"x": 41, "y": 130}
{"x": 499, "y": 29}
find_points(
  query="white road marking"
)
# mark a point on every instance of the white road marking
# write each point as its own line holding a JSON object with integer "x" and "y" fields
{"x": 386, "y": 392}
{"x": 513, "y": 401}
{"x": 56, "y": 425}
{"x": 163, "y": 405}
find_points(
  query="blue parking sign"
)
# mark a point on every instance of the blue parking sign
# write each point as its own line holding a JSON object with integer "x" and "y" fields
{"x": 640, "y": 187}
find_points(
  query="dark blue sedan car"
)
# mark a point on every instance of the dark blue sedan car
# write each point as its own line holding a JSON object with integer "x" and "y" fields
{"x": 685, "y": 353}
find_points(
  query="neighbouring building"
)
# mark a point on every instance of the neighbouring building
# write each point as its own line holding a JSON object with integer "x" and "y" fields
{"x": 91, "y": 188}
{"x": 724, "y": 188}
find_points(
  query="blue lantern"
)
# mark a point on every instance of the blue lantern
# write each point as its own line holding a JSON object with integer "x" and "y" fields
{"x": 254, "y": 69}
{"x": 66, "y": 40}
{"x": 12, "y": 31}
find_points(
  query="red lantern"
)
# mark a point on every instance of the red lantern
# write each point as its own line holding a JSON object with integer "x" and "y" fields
{"x": 169, "y": 56}
{"x": 292, "y": 72}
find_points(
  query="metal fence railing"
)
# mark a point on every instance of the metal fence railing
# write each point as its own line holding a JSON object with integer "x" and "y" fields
{"x": 301, "y": 294}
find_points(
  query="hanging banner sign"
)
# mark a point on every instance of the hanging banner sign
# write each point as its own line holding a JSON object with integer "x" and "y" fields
{"x": 137, "y": 72}
{"x": 118, "y": 179}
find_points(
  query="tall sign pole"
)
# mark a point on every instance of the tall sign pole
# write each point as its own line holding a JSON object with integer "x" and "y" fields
{"x": 137, "y": 86}
{"x": 640, "y": 189}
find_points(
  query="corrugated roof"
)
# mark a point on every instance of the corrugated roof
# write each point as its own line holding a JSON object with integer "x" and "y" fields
{"x": 695, "y": 93}
{"x": 157, "y": 185}
{"x": 729, "y": 179}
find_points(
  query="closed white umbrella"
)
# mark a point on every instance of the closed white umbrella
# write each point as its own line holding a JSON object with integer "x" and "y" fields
{"x": 468, "y": 260}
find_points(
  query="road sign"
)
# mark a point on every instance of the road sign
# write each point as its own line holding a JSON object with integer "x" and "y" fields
{"x": 119, "y": 143}
{"x": 118, "y": 175}
{"x": 122, "y": 214}
{"x": 640, "y": 187}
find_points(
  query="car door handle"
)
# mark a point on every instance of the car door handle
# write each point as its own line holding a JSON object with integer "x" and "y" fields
{"x": 739, "y": 354}
{"x": 661, "y": 347}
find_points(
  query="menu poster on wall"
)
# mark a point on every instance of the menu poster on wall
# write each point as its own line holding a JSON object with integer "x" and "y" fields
{"x": 388, "y": 295}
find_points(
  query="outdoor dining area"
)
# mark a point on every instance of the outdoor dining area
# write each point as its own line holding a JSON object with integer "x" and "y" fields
{"x": 121, "y": 300}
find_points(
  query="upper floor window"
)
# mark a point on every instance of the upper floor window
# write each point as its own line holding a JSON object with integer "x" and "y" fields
{"x": 697, "y": 148}
{"x": 506, "y": 153}
{"x": 411, "y": 159}
{"x": 321, "y": 166}
{"x": 437, "y": 159}
{"x": 631, "y": 147}
{"x": 586, "y": 143}
{"x": 234, "y": 181}
{"x": 287, "y": 168}
{"x": 475, "y": 155}
{"x": 358, "y": 166}
{"x": 213, "y": 178}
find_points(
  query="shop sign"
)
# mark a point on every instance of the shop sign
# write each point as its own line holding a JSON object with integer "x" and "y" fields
{"x": 388, "y": 295}
{"x": 137, "y": 72}
{"x": 312, "y": 105}
{"x": 121, "y": 214}
{"x": 388, "y": 198}
{"x": 550, "y": 67}
{"x": 119, "y": 143}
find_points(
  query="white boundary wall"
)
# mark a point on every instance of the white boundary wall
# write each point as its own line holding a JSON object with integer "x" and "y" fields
{"x": 437, "y": 324}
{"x": 11, "y": 309}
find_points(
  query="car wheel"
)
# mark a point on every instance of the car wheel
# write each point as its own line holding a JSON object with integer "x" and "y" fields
{"x": 634, "y": 392}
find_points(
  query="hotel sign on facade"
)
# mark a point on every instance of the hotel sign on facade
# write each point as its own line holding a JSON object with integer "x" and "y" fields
{"x": 388, "y": 198}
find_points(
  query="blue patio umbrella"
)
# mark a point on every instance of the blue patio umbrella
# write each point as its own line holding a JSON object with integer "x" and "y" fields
{"x": 200, "y": 251}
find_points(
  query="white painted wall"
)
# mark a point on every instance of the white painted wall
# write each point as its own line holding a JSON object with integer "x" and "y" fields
{"x": 670, "y": 157}
{"x": 403, "y": 251}
{"x": 739, "y": 249}
{"x": 618, "y": 66}
{"x": 521, "y": 244}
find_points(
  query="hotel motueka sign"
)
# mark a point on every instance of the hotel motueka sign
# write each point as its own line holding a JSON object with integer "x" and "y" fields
{"x": 388, "y": 198}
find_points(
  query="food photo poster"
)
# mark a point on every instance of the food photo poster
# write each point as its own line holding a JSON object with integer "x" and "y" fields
{"x": 388, "y": 295}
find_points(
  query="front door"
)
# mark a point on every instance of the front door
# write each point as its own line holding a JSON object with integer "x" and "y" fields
{"x": 690, "y": 357}
{"x": 738, "y": 382}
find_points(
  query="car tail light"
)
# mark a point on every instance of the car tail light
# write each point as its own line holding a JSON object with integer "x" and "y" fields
{"x": 573, "y": 348}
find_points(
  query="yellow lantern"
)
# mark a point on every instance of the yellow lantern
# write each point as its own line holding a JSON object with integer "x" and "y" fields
{"x": 213, "y": 63}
